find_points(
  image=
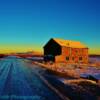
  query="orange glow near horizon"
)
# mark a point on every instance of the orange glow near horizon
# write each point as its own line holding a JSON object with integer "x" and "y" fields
{"x": 19, "y": 48}
{"x": 8, "y": 48}
{"x": 94, "y": 51}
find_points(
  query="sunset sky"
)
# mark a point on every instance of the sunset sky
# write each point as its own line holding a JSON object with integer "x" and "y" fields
{"x": 29, "y": 24}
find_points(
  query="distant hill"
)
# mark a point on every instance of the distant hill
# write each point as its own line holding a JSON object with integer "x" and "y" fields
{"x": 29, "y": 54}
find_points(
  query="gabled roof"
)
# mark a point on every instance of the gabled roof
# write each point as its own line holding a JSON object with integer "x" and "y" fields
{"x": 69, "y": 43}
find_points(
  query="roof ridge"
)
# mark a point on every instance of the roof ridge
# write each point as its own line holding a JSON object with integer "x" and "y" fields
{"x": 69, "y": 43}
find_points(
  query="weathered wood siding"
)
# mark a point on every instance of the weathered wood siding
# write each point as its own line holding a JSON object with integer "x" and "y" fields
{"x": 73, "y": 55}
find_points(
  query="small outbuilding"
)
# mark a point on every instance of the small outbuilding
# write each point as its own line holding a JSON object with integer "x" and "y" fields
{"x": 67, "y": 51}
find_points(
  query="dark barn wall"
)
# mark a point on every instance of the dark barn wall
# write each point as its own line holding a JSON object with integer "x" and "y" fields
{"x": 52, "y": 48}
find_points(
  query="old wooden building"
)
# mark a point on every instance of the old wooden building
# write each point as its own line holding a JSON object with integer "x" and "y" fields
{"x": 59, "y": 50}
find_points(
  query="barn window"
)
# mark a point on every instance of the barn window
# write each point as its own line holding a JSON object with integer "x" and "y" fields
{"x": 67, "y": 58}
{"x": 72, "y": 58}
{"x": 76, "y": 52}
{"x": 80, "y": 58}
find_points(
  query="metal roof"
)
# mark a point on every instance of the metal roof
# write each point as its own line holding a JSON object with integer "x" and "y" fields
{"x": 69, "y": 43}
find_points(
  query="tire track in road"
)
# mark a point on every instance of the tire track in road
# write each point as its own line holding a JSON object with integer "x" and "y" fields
{"x": 19, "y": 83}
{"x": 3, "y": 76}
{"x": 2, "y": 67}
{"x": 15, "y": 83}
{"x": 7, "y": 86}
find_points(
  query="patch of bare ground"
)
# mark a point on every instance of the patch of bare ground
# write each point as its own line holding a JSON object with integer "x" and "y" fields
{"x": 85, "y": 86}
{"x": 72, "y": 70}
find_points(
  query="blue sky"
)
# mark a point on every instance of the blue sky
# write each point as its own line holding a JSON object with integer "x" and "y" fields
{"x": 29, "y": 24}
